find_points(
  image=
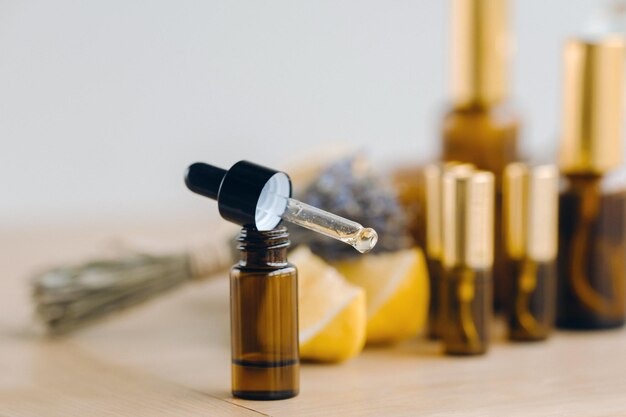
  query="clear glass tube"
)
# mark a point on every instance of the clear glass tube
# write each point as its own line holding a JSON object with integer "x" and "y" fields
{"x": 361, "y": 238}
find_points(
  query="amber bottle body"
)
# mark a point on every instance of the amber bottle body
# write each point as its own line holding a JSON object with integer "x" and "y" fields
{"x": 531, "y": 308}
{"x": 592, "y": 255}
{"x": 437, "y": 282}
{"x": 264, "y": 318}
{"x": 487, "y": 137}
{"x": 466, "y": 310}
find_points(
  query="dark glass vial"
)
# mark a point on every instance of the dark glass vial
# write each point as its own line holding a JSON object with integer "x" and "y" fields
{"x": 264, "y": 318}
{"x": 433, "y": 179}
{"x": 532, "y": 303}
{"x": 467, "y": 310}
{"x": 530, "y": 208}
{"x": 437, "y": 283}
{"x": 592, "y": 255}
{"x": 467, "y": 292}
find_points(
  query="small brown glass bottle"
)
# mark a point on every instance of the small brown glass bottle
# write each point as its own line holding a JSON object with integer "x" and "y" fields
{"x": 263, "y": 285}
{"x": 468, "y": 205}
{"x": 530, "y": 232}
{"x": 264, "y": 318}
{"x": 592, "y": 225}
{"x": 433, "y": 180}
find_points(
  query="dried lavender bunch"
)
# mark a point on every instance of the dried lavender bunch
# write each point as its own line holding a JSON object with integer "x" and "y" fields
{"x": 69, "y": 297}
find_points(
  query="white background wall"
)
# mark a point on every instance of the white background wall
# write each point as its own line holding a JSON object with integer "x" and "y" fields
{"x": 104, "y": 103}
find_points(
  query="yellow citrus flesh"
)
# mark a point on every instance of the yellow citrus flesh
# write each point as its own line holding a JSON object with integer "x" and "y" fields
{"x": 397, "y": 291}
{"x": 332, "y": 316}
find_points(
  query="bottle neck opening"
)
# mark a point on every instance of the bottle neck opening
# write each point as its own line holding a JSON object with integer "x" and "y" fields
{"x": 263, "y": 249}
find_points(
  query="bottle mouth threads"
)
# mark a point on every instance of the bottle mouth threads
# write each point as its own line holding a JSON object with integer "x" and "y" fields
{"x": 250, "y": 238}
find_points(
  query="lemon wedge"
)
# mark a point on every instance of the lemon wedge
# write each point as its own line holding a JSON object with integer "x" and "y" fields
{"x": 397, "y": 289}
{"x": 331, "y": 310}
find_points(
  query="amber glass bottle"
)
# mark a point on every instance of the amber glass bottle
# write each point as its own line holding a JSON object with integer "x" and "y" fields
{"x": 530, "y": 231}
{"x": 592, "y": 226}
{"x": 592, "y": 285}
{"x": 468, "y": 202}
{"x": 433, "y": 224}
{"x": 264, "y": 318}
{"x": 433, "y": 181}
{"x": 481, "y": 127}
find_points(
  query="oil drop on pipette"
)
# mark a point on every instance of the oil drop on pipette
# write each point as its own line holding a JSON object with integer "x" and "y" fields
{"x": 265, "y": 360}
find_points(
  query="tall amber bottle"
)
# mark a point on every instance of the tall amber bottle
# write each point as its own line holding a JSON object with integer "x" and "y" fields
{"x": 264, "y": 318}
{"x": 531, "y": 229}
{"x": 468, "y": 203}
{"x": 481, "y": 127}
{"x": 592, "y": 225}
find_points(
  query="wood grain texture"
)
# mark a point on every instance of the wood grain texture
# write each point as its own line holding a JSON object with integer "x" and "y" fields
{"x": 171, "y": 357}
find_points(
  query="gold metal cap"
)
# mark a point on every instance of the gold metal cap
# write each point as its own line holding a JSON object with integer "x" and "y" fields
{"x": 468, "y": 209}
{"x": 531, "y": 211}
{"x": 480, "y": 50}
{"x": 433, "y": 179}
{"x": 592, "y": 105}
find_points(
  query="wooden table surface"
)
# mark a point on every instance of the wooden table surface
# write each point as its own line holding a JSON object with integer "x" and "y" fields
{"x": 171, "y": 357}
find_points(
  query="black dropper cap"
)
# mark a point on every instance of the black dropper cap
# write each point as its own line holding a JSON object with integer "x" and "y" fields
{"x": 237, "y": 190}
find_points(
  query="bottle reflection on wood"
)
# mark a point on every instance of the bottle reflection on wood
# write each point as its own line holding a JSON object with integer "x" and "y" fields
{"x": 264, "y": 318}
{"x": 530, "y": 212}
{"x": 592, "y": 225}
{"x": 468, "y": 204}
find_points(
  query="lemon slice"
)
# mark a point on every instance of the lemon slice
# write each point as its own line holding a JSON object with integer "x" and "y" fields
{"x": 332, "y": 311}
{"x": 397, "y": 291}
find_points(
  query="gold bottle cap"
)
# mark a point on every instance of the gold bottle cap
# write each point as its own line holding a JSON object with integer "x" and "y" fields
{"x": 433, "y": 179}
{"x": 531, "y": 211}
{"x": 480, "y": 50}
{"x": 592, "y": 106}
{"x": 468, "y": 210}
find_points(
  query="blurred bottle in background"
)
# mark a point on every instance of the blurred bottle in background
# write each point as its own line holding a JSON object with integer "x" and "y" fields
{"x": 482, "y": 127}
{"x": 433, "y": 178}
{"x": 592, "y": 215}
{"x": 530, "y": 231}
{"x": 467, "y": 294}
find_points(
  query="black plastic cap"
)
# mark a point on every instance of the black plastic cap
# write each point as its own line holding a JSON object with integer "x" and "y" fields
{"x": 240, "y": 192}
{"x": 237, "y": 190}
{"x": 204, "y": 179}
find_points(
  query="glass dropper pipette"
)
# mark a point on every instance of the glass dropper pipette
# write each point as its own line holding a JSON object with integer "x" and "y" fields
{"x": 249, "y": 194}
{"x": 361, "y": 238}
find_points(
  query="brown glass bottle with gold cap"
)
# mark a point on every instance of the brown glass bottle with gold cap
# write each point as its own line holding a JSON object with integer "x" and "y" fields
{"x": 592, "y": 225}
{"x": 531, "y": 227}
{"x": 482, "y": 127}
{"x": 433, "y": 180}
{"x": 468, "y": 205}
{"x": 264, "y": 318}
